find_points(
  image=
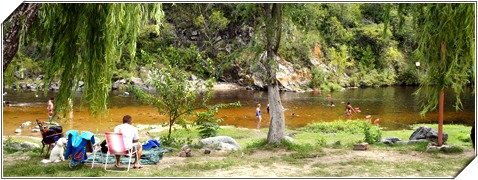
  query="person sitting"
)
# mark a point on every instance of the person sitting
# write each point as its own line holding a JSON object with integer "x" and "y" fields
{"x": 131, "y": 140}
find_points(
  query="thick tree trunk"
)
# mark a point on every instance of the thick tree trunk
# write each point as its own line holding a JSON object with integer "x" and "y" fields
{"x": 273, "y": 16}
{"x": 23, "y": 17}
{"x": 276, "y": 127}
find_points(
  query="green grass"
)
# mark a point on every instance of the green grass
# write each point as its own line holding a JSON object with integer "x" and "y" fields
{"x": 308, "y": 147}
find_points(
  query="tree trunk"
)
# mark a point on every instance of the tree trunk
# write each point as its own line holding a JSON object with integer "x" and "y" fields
{"x": 440, "y": 118}
{"x": 23, "y": 17}
{"x": 441, "y": 100}
{"x": 171, "y": 122}
{"x": 276, "y": 127}
{"x": 273, "y": 18}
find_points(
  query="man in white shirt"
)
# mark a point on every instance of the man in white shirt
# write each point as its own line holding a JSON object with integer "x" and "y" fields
{"x": 131, "y": 139}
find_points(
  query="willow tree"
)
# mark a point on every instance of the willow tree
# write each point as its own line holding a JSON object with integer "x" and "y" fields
{"x": 272, "y": 14}
{"x": 17, "y": 25}
{"x": 87, "y": 41}
{"x": 446, "y": 45}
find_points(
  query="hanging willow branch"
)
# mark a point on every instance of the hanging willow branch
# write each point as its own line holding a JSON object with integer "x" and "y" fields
{"x": 87, "y": 42}
{"x": 446, "y": 45}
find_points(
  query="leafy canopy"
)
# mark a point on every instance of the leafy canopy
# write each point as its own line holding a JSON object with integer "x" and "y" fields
{"x": 87, "y": 41}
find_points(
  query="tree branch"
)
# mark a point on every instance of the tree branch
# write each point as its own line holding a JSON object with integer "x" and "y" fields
{"x": 21, "y": 20}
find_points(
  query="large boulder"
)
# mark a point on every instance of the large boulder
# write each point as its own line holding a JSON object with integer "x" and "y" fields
{"x": 427, "y": 133}
{"x": 220, "y": 142}
{"x": 137, "y": 81}
{"x": 390, "y": 140}
{"x": 29, "y": 145}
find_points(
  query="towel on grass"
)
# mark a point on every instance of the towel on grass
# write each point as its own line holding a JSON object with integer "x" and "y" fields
{"x": 151, "y": 156}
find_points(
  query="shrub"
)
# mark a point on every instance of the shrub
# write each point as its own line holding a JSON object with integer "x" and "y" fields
{"x": 373, "y": 134}
{"x": 464, "y": 137}
{"x": 352, "y": 127}
{"x": 176, "y": 142}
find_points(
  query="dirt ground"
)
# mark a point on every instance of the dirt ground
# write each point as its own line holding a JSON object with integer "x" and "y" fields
{"x": 332, "y": 158}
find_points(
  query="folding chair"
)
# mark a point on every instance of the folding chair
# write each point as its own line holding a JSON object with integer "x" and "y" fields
{"x": 49, "y": 137}
{"x": 95, "y": 148}
{"x": 116, "y": 146}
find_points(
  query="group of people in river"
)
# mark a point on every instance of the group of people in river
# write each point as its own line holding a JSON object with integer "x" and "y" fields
{"x": 347, "y": 113}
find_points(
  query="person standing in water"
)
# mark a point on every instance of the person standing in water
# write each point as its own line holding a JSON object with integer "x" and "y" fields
{"x": 348, "y": 111}
{"x": 50, "y": 108}
{"x": 258, "y": 116}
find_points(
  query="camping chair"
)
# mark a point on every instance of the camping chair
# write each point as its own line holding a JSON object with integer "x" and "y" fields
{"x": 116, "y": 146}
{"x": 95, "y": 148}
{"x": 49, "y": 136}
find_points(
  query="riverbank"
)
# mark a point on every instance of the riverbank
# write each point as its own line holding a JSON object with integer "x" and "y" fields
{"x": 312, "y": 155}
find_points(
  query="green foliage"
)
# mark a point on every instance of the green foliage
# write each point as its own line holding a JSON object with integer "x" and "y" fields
{"x": 87, "y": 49}
{"x": 352, "y": 127}
{"x": 175, "y": 96}
{"x": 336, "y": 32}
{"x": 318, "y": 79}
{"x": 301, "y": 148}
{"x": 446, "y": 43}
{"x": 294, "y": 46}
{"x": 341, "y": 59}
{"x": 9, "y": 146}
{"x": 175, "y": 142}
{"x": 208, "y": 124}
{"x": 372, "y": 133}
{"x": 464, "y": 137}
{"x": 453, "y": 149}
{"x": 348, "y": 14}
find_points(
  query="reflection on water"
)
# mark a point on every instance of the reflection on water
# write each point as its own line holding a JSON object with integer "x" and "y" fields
{"x": 395, "y": 106}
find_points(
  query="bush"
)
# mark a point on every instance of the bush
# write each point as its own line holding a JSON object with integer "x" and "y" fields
{"x": 176, "y": 142}
{"x": 373, "y": 134}
{"x": 352, "y": 127}
{"x": 464, "y": 137}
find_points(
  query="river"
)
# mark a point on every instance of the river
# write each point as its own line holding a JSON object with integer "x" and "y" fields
{"x": 395, "y": 106}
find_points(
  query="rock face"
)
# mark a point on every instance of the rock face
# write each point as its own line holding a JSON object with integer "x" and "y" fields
{"x": 427, "y": 133}
{"x": 225, "y": 143}
{"x": 291, "y": 77}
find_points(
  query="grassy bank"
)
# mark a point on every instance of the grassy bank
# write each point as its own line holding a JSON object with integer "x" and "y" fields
{"x": 320, "y": 150}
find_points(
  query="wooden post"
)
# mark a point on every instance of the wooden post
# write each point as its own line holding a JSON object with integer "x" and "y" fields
{"x": 440, "y": 118}
{"x": 441, "y": 101}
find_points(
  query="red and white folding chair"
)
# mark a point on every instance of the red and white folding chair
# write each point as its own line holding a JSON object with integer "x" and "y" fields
{"x": 116, "y": 146}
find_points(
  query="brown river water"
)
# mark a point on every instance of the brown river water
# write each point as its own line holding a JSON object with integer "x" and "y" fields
{"x": 396, "y": 107}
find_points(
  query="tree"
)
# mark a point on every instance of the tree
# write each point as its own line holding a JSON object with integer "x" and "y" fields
{"x": 86, "y": 48}
{"x": 208, "y": 124}
{"x": 340, "y": 59}
{"x": 446, "y": 45}
{"x": 175, "y": 96}
{"x": 17, "y": 24}
{"x": 272, "y": 14}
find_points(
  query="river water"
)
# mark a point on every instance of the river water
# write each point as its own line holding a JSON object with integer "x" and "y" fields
{"x": 396, "y": 108}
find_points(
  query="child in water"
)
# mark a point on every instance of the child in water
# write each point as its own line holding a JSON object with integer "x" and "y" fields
{"x": 258, "y": 116}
